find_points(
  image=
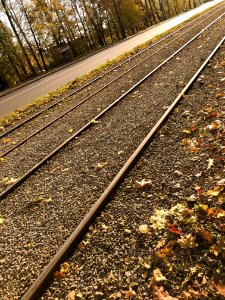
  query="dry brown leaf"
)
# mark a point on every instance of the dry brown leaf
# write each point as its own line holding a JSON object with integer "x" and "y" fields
{"x": 164, "y": 252}
{"x": 129, "y": 294}
{"x": 160, "y": 294}
{"x": 220, "y": 288}
{"x": 142, "y": 184}
{"x": 71, "y": 295}
{"x": 220, "y": 95}
{"x": 207, "y": 236}
{"x": 59, "y": 275}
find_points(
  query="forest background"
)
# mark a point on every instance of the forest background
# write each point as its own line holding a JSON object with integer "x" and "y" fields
{"x": 39, "y": 35}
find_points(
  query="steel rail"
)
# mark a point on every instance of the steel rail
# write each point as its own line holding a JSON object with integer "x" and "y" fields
{"x": 104, "y": 74}
{"x": 38, "y": 285}
{"x": 95, "y": 93}
{"x": 102, "y": 113}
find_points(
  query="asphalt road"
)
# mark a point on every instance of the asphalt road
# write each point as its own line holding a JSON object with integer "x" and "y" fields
{"x": 24, "y": 95}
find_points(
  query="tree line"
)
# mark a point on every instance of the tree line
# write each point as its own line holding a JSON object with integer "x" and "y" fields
{"x": 37, "y": 35}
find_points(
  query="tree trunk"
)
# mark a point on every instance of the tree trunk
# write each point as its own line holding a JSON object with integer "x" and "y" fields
{"x": 17, "y": 37}
{"x": 35, "y": 38}
{"x": 122, "y": 29}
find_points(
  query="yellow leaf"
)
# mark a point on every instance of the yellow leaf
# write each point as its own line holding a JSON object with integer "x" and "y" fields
{"x": 8, "y": 180}
{"x": 158, "y": 276}
{"x": 143, "y": 228}
{"x": 1, "y": 221}
{"x": 6, "y": 140}
{"x": 101, "y": 165}
{"x": 186, "y": 131}
{"x": 70, "y": 130}
{"x": 64, "y": 267}
{"x": 212, "y": 193}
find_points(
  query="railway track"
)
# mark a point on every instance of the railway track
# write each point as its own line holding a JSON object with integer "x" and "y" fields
{"x": 28, "y": 136}
{"x": 86, "y": 126}
{"x": 128, "y": 60}
{"x": 42, "y": 280}
{"x": 82, "y": 167}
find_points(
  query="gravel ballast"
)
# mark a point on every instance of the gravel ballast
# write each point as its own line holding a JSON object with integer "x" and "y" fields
{"x": 116, "y": 260}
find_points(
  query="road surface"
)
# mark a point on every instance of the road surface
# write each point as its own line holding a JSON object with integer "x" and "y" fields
{"x": 24, "y": 95}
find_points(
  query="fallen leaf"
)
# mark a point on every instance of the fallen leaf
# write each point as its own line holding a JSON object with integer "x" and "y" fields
{"x": 204, "y": 280}
{"x": 187, "y": 241}
{"x": 111, "y": 276}
{"x": 115, "y": 295}
{"x": 164, "y": 252}
{"x": 173, "y": 229}
{"x": 2, "y": 159}
{"x": 158, "y": 219}
{"x": 142, "y": 184}
{"x": 220, "y": 288}
{"x": 160, "y": 244}
{"x": 8, "y": 180}
{"x": 215, "y": 192}
{"x": 219, "y": 95}
{"x": 6, "y": 140}
{"x": 207, "y": 236}
{"x": 186, "y": 131}
{"x": 158, "y": 276}
{"x": 213, "y": 126}
{"x": 71, "y": 295}
{"x": 210, "y": 163}
{"x": 70, "y": 130}
{"x": 211, "y": 212}
{"x": 101, "y": 165}
{"x": 221, "y": 183}
{"x": 61, "y": 274}
{"x": 160, "y": 294}
{"x": 143, "y": 229}
{"x": 1, "y": 221}
{"x": 129, "y": 294}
